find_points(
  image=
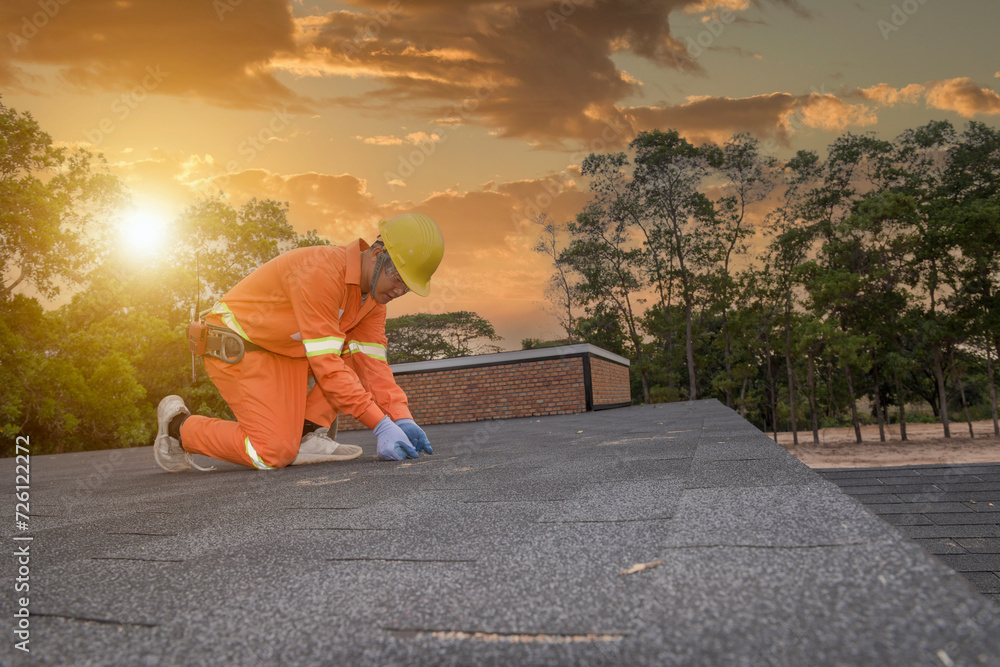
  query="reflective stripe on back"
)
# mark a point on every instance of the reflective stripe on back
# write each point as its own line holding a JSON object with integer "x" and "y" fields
{"x": 229, "y": 319}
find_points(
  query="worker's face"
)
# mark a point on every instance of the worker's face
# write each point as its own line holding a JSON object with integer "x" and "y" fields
{"x": 390, "y": 285}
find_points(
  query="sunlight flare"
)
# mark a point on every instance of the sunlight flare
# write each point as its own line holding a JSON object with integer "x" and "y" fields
{"x": 143, "y": 230}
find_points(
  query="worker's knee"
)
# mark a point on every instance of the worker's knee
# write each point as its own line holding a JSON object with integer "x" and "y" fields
{"x": 273, "y": 453}
{"x": 283, "y": 457}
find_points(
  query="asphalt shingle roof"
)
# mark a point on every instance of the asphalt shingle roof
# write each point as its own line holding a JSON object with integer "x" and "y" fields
{"x": 952, "y": 511}
{"x": 508, "y": 546}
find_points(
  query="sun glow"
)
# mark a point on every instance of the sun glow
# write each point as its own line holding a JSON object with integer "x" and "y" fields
{"x": 143, "y": 230}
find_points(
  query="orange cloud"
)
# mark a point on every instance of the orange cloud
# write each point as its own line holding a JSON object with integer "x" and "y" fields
{"x": 886, "y": 95}
{"x": 535, "y": 69}
{"x": 828, "y": 112}
{"x": 217, "y": 51}
{"x": 541, "y": 70}
{"x": 963, "y": 96}
{"x": 773, "y": 116}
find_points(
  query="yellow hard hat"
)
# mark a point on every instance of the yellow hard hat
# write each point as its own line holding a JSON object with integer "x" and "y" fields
{"x": 416, "y": 246}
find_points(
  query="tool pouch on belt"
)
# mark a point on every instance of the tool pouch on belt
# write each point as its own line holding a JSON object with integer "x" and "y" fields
{"x": 214, "y": 341}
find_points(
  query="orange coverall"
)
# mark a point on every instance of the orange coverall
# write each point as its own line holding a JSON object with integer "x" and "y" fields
{"x": 305, "y": 307}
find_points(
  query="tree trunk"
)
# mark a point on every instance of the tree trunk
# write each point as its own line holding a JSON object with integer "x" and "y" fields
{"x": 642, "y": 368}
{"x": 942, "y": 393}
{"x": 791, "y": 378}
{"x": 854, "y": 407}
{"x": 772, "y": 392}
{"x": 832, "y": 409}
{"x": 670, "y": 328}
{"x": 692, "y": 376}
{"x": 902, "y": 406}
{"x": 993, "y": 389}
{"x": 961, "y": 393}
{"x": 743, "y": 393}
{"x": 812, "y": 396}
{"x": 878, "y": 403}
{"x": 728, "y": 355}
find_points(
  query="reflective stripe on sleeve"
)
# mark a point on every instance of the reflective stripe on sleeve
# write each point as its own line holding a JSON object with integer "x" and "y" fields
{"x": 373, "y": 350}
{"x": 328, "y": 345}
{"x": 257, "y": 461}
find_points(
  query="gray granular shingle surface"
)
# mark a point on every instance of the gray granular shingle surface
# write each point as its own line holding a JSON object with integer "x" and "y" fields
{"x": 506, "y": 547}
{"x": 952, "y": 511}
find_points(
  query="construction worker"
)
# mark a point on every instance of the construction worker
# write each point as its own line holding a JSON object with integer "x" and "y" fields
{"x": 316, "y": 311}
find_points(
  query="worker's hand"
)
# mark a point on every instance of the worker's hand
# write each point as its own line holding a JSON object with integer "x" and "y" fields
{"x": 393, "y": 445}
{"x": 415, "y": 434}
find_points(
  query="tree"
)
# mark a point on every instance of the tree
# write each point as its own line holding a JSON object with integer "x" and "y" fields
{"x": 53, "y": 208}
{"x": 310, "y": 238}
{"x": 971, "y": 186}
{"x": 560, "y": 288}
{"x": 218, "y": 245}
{"x": 424, "y": 337}
{"x": 919, "y": 153}
{"x": 668, "y": 174}
{"x": 602, "y": 327}
{"x": 746, "y": 180}
{"x": 603, "y": 253}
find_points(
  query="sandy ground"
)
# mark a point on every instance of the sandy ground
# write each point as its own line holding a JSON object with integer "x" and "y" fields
{"x": 925, "y": 444}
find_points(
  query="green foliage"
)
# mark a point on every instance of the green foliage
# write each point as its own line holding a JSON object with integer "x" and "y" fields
{"x": 537, "y": 344}
{"x": 221, "y": 245}
{"x": 879, "y": 275}
{"x": 424, "y": 337}
{"x": 53, "y": 208}
{"x": 660, "y": 394}
{"x": 310, "y": 238}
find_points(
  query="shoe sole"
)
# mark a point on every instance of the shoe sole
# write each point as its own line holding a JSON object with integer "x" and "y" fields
{"x": 307, "y": 458}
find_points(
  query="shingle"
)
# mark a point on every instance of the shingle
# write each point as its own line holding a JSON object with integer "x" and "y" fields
{"x": 957, "y": 487}
{"x": 505, "y": 547}
{"x": 973, "y": 562}
{"x": 877, "y": 498}
{"x": 917, "y": 508}
{"x": 980, "y": 545}
{"x": 987, "y": 582}
{"x": 975, "y": 530}
{"x": 957, "y": 497}
{"x": 941, "y": 546}
{"x": 907, "y": 520}
{"x": 961, "y": 518}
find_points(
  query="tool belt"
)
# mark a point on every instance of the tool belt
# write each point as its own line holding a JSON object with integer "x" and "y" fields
{"x": 222, "y": 343}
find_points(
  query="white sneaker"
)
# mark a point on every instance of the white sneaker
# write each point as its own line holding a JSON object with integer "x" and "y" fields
{"x": 318, "y": 447}
{"x": 167, "y": 451}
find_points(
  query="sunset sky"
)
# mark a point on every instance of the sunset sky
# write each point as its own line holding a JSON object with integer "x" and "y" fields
{"x": 476, "y": 113}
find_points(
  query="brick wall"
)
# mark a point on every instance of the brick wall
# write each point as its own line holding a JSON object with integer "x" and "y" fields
{"x": 529, "y": 383}
{"x": 610, "y": 382}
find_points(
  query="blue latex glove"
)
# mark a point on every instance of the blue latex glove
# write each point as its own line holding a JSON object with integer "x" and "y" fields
{"x": 415, "y": 434}
{"x": 393, "y": 444}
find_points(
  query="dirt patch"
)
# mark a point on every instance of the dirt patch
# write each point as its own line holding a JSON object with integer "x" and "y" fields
{"x": 925, "y": 445}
